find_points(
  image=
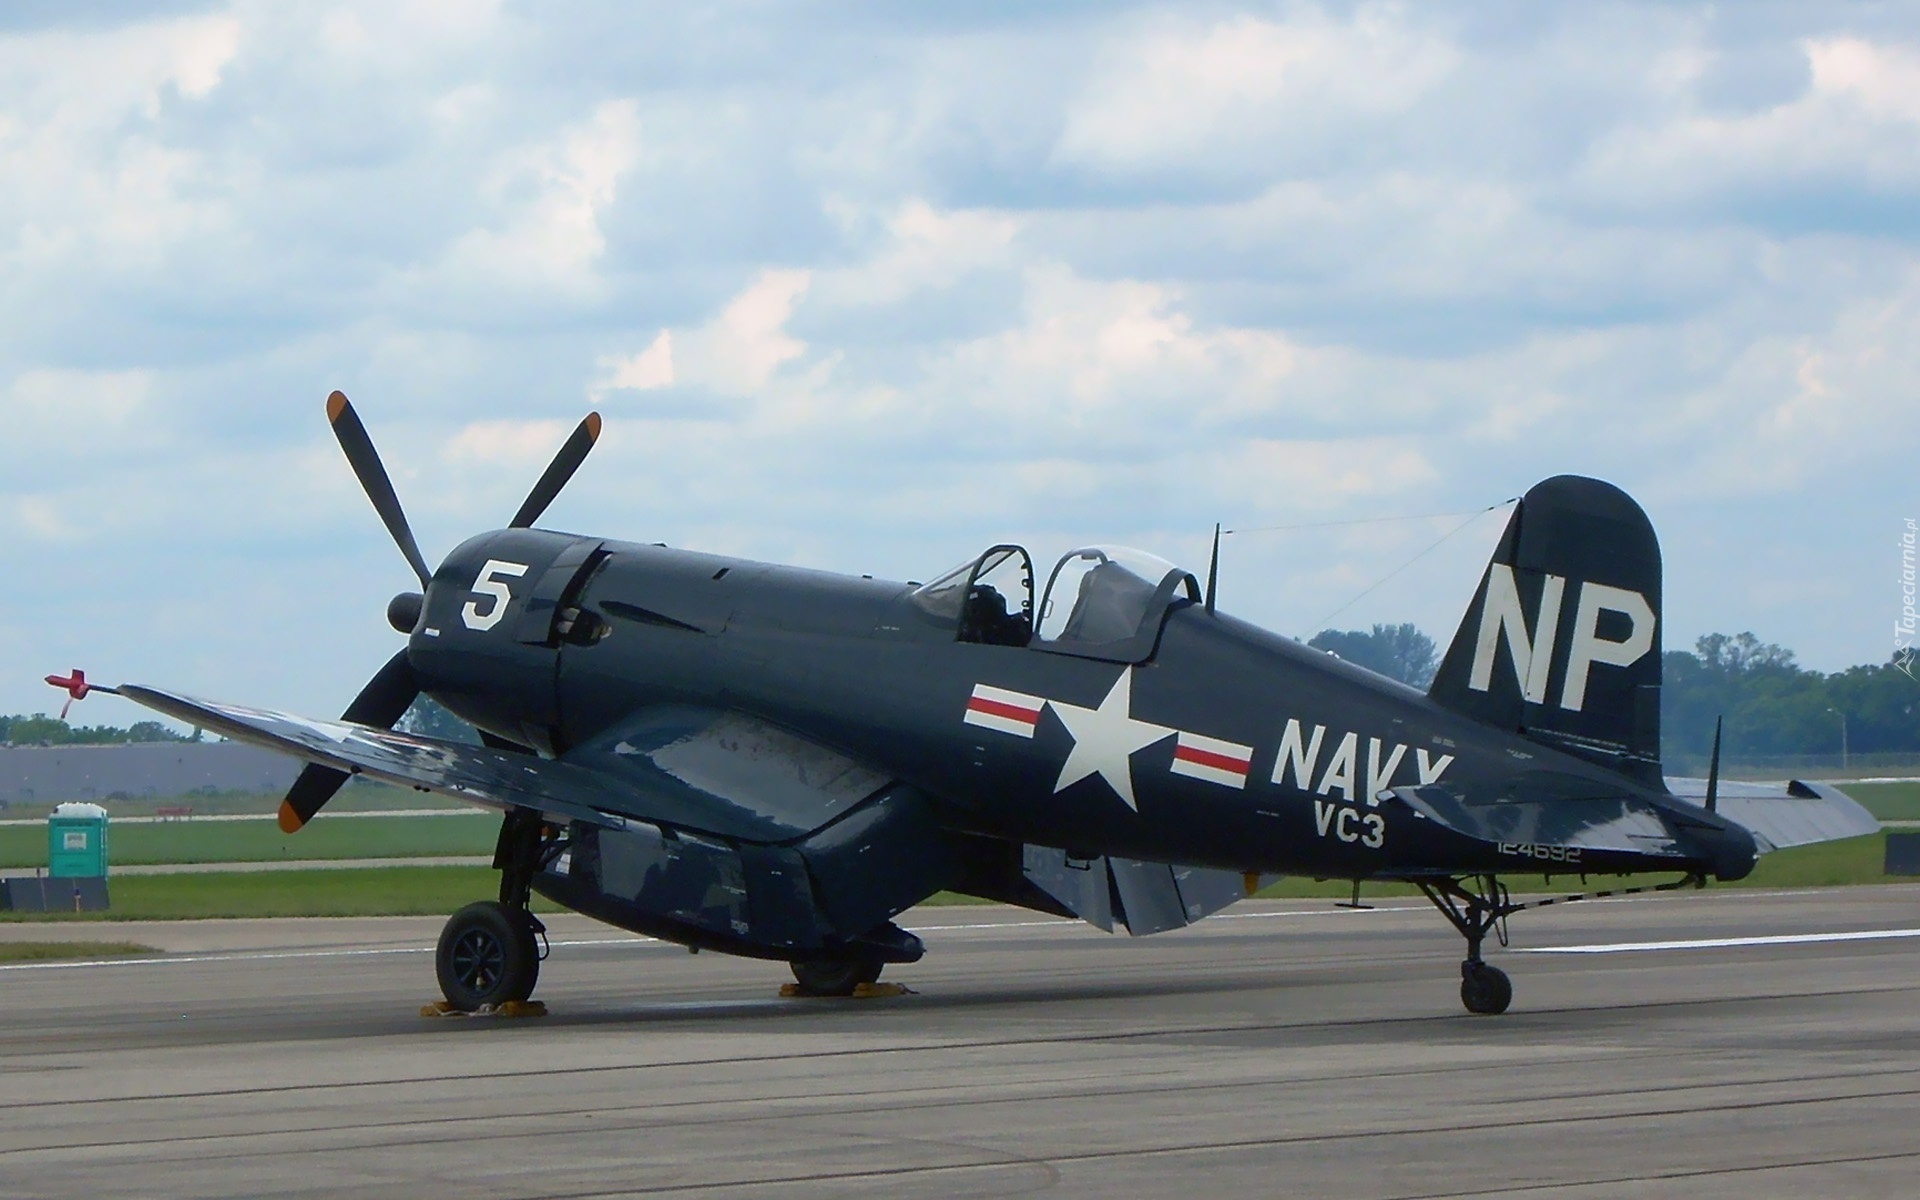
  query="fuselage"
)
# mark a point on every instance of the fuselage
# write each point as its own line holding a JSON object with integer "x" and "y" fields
{"x": 1224, "y": 746}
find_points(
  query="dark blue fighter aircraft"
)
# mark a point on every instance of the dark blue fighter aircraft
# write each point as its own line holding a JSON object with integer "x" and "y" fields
{"x": 776, "y": 762}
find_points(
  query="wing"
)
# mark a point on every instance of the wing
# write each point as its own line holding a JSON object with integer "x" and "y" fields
{"x": 1794, "y": 813}
{"x": 704, "y": 827}
{"x": 697, "y": 769}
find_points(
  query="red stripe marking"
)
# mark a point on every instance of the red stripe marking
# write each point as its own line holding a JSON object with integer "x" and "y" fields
{"x": 1207, "y": 758}
{"x": 998, "y": 708}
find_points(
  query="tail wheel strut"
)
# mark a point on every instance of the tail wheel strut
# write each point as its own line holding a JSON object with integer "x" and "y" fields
{"x": 1477, "y": 905}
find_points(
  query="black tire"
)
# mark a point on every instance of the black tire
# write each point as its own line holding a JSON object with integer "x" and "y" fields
{"x": 1485, "y": 989}
{"x": 487, "y": 956}
{"x": 835, "y": 977}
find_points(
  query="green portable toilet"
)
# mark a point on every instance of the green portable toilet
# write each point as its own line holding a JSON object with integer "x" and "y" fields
{"x": 77, "y": 841}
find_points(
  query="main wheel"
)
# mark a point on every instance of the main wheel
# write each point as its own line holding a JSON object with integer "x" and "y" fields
{"x": 487, "y": 955}
{"x": 835, "y": 978}
{"x": 1484, "y": 989}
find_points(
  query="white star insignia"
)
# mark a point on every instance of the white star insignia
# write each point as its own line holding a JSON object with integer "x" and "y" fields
{"x": 1105, "y": 738}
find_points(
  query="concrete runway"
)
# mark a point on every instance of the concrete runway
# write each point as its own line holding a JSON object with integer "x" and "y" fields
{"x": 1281, "y": 1049}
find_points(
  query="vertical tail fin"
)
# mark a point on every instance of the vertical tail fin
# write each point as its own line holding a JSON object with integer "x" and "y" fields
{"x": 1562, "y": 641}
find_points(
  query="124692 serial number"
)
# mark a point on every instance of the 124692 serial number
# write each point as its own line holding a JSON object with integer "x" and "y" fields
{"x": 1559, "y": 854}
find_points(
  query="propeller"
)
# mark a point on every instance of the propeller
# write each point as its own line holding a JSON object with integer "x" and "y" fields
{"x": 394, "y": 688}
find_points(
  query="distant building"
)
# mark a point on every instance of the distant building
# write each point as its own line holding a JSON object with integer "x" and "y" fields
{"x": 50, "y": 774}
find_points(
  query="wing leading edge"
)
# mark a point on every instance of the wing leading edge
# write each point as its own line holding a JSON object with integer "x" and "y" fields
{"x": 670, "y": 769}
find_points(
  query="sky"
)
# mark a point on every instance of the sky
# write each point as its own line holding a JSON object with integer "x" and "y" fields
{"x": 869, "y": 287}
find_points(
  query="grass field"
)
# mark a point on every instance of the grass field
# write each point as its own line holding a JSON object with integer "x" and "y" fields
{"x": 334, "y": 835}
{"x": 12, "y": 952}
{"x": 434, "y": 891}
{"x": 1887, "y": 801}
{"x": 362, "y": 892}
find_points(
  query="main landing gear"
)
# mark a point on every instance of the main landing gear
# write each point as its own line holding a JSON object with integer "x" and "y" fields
{"x": 488, "y": 955}
{"x": 855, "y": 964}
{"x": 490, "y": 951}
{"x": 1477, "y": 905}
{"x": 835, "y": 978}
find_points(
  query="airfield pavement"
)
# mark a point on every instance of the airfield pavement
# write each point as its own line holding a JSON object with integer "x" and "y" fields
{"x": 1284, "y": 1048}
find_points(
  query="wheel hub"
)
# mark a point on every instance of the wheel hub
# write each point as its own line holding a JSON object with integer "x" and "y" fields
{"x": 479, "y": 960}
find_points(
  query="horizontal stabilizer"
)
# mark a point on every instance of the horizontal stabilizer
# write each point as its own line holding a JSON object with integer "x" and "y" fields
{"x": 1780, "y": 815}
{"x": 1623, "y": 823}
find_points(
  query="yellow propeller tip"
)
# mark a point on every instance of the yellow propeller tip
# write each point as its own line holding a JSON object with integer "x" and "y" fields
{"x": 593, "y": 426}
{"x": 336, "y": 404}
{"x": 290, "y": 821}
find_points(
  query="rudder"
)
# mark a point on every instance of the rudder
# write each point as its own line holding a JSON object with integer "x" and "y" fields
{"x": 1562, "y": 641}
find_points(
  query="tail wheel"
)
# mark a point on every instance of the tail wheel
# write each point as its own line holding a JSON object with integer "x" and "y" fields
{"x": 835, "y": 977}
{"x": 487, "y": 956}
{"x": 1484, "y": 989}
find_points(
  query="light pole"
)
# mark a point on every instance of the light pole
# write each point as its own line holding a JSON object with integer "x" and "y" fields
{"x": 1843, "y": 736}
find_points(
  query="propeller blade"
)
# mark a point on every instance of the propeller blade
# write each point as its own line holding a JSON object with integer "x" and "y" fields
{"x": 383, "y": 701}
{"x": 313, "y": 787}
{"x": 561, "y": 469}
{"x": 365, "y": 461}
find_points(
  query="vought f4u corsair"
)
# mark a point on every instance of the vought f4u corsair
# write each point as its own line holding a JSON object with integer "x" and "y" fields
{"x": 776, "y": 762}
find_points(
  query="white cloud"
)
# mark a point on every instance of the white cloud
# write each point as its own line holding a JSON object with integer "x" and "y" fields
{"x": 1852, "y": 125}
{"x": 393, "y": 34}
{"x": 1169, "y": 94}
{"x": 1883, "y": 80}
{"x": 552, "y": 238}
{"x": 1089, "y": 353}
{"x": 736, "y": 353}
{"x": 88, "y": 81}
{"x": 506, "y": 443}
{"x": 869, "y": 294}
{"x": 649, "y": 369}
{"x": 100, "y": 403}
{"x": 924, "y": 249}
{"x": 91, "y": 183}
{"x": 748, "y": 341}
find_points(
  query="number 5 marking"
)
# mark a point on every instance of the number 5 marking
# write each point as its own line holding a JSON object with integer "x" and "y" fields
{"x": 495, "y": 589}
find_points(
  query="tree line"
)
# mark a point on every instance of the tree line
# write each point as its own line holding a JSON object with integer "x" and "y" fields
{"x": 42, "y": 730}
{"x": 1771, "y": 705}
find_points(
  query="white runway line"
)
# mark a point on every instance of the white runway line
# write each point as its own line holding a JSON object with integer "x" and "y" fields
{"x": 1782, "y": 939}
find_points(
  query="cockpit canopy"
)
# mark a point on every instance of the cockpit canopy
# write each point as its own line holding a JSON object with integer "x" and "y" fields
{"x": 1099, "y": 602}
